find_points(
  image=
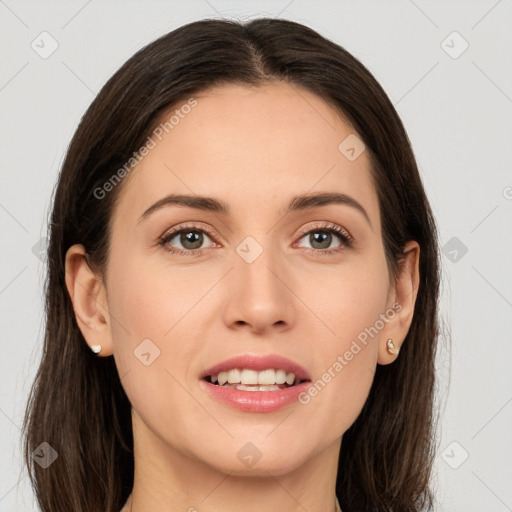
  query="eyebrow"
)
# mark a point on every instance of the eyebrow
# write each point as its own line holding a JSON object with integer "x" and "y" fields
{"x": 298, "y": 203}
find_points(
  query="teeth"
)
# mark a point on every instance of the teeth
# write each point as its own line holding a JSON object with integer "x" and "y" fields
{"x": 234, "y": 376}
{"x": 280, "y": 377}
{"x": 267, "y": 377}
{"x": 241, "y": 387}
{"x": 247, "y": 377}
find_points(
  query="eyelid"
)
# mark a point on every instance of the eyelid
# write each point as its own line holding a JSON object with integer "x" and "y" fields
{"x": 327, "y": 226}
{"x": 195, "y": 226}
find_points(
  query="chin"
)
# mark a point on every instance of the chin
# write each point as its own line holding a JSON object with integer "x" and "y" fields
{"x": 259, "y": 457}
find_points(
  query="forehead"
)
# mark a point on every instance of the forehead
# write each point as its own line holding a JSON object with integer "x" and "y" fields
{"x": 252, "y": 147}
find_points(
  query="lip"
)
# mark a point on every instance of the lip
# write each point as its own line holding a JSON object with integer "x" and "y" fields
{"x": 259, "y": 363}
{"x": 255, "y": 401}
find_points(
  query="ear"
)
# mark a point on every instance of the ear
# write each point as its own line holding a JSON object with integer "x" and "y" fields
{"x": 89, "y": 298}
{"x": 401, "y": 300}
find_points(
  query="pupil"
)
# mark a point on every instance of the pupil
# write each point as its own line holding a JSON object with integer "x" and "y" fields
{"x": 321, "y": 237}
{"x": 193, "y": 237}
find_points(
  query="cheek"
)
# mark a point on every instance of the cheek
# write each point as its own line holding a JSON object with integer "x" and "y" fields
{"x": 149, "y": 317}
{"x": 149, "y": 300}
{"x": 355, "y": 297}
{"x": 362, "y": 302}
{"x": 348, "y": 299}
{"x": 345, "y": 371}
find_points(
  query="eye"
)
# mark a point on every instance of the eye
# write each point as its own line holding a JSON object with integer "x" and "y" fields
{"x": 191, "y": 239}
{"x": 321, "y": 238}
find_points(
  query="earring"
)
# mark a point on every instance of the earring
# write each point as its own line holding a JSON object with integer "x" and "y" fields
{"x": 96, "y": 348}
{"x": 391, "y": 347}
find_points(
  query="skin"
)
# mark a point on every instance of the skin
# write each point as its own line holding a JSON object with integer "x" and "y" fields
{"x": 253, "y": 148}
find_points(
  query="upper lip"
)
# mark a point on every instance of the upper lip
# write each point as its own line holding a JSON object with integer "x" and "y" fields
{"x": 259, "y": 363}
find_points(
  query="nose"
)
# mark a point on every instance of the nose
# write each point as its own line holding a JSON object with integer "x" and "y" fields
{"x": 259, "y": 295}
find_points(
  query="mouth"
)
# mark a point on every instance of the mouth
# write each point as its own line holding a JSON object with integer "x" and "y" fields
{"x": 255, "y": 391}
{"x": 256, "y": 370}
{"x": 244, "y": 379}
{"x": 268, "y": 375}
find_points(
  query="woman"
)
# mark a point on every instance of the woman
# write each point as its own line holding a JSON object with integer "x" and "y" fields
{"x": 242, "y": 288}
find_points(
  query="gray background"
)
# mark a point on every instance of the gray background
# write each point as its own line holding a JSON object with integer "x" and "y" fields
{"x": 456, "y": 107}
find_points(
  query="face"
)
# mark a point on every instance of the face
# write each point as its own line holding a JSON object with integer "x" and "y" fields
{"x": 257, "y": 279}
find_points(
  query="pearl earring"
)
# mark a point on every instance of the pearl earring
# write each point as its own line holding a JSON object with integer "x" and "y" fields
{"x": 391, "y": 347}
{"x": 96, "y": 348}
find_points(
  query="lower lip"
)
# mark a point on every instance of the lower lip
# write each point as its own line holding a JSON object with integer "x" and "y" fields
{"x": 255, "y": 401}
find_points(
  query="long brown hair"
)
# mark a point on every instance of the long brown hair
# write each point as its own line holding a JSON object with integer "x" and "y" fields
{"x": 77, "y": 403}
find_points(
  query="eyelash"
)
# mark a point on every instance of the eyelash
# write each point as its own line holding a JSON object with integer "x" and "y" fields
{"x": 345, "y": 238}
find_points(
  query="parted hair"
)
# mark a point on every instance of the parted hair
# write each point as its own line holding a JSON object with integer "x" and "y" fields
{"x": 77, "y": 403}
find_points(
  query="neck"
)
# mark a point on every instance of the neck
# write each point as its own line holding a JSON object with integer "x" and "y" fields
{"x": 167, "y": 479}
